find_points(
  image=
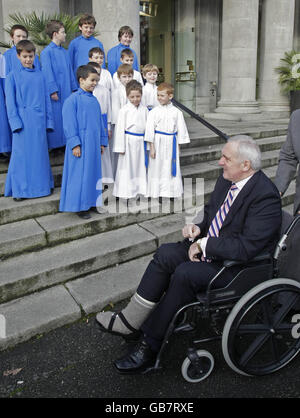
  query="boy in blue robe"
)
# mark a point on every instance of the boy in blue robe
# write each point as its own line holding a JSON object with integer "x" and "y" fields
{"x": 17, "y": 33}
{"x": 57, "y": 70}
{"x": 80, "y": 46}
{"x": 5, "y": 133}
{"x": 114, "y": 54}
{"x": 30, "y": 115}
{"x": 83, "y": 126}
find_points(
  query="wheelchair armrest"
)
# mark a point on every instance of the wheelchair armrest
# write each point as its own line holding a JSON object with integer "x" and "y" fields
{"x": 262, "y": 257}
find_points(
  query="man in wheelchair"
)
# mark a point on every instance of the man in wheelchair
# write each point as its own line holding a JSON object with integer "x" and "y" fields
{"x": 241, "y": 221}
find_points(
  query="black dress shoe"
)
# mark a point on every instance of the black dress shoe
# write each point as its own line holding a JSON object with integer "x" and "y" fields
{"x": 18, "y": 199}
{"x": 84, "y": 214}
{"x": 138, "y": 360}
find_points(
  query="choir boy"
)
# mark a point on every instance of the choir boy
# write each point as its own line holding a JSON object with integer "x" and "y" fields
{"x": 81, "y": 188}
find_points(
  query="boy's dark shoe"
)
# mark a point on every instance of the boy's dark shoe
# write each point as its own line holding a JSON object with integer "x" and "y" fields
{"x": 138, "y": 360}
{"x": 84, "y": 214}
{"x": 18, "y": 199}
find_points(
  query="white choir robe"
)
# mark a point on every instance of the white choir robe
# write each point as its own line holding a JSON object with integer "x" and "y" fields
{"x": 118, "y": 100}
{"x": 169, "y": 119}
{"x": 103, "y": 96}
{"x": 136, "y": 76}
{"x": 131, "y": 177}
{"x": 106, "y": 80}
{"x": 149, "y": 98}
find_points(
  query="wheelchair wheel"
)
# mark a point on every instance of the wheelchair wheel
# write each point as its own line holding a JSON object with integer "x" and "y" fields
{"x": 198, "y": 366}
{"x": 258, "y": 336}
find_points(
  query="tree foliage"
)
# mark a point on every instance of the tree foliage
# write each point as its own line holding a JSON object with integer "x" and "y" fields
{"x": 36, "y": 25}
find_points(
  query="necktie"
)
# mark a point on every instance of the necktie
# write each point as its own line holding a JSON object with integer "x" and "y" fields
{"x": 220, "y": 216}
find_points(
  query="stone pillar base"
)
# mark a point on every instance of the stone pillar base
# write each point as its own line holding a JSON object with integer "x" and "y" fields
{"x": 237, "y": 107}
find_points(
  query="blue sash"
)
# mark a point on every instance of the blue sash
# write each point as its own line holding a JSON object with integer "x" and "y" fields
{"x": 104, "y": 118}
{"x": 173, "y": 166}
{"x": 145, "y": 146}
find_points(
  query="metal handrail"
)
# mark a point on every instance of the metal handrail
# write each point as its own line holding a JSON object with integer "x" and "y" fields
{"x": 201, "y": 120}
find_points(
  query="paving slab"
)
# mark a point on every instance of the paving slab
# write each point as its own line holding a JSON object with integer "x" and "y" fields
{"x": 37, "y": 313}
{"x": 111, "y": 285}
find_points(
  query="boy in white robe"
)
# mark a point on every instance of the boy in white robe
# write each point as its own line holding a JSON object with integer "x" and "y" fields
{"x": 119, "y": 99}
{"x": 165, "y": 131}
{"x": 127, "y": 57}
{"x": 150, "y": 74}
{"x": 97, "y": 55}
{"x": 131, "y": 178}
{"x": 103, "y": 97}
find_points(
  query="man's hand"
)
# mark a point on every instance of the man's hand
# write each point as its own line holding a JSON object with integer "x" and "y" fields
{"x": 193, "y": 252}
{"x": 190, "y": 231}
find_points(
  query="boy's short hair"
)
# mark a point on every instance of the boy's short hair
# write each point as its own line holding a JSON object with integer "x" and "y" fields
{"x": 84, "y": 71}
{"x": 94, "y": 64}
{"x": 150, "y": 67}
{"x": 166, "y": 86}
{"x": 133, "y": 85}
{"x": 127, "y": 52}
{"x": 95, "y": 50}
{"x": 125, "y": 69}
{"x": 16, "y": 27}
{"x": 25, "y": 45}
{"x": 125, "y": 29}
{"x": 87, "y": 19}
{"x": 53, "y": 26}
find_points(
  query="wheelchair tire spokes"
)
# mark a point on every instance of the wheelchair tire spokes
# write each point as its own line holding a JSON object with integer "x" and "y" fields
{"x": 257, "y": 337}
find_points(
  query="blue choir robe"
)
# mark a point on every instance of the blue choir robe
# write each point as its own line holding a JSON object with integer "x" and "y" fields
{"x": 114, "y": 58}
{"x": 29, "y": 114}
{"x": 12, "y": 61}
{"x": 57, "y": 70}
{"x": 5, "y": 133}
{"x": 83, "y": 125}
{"x": 79, "y": 51}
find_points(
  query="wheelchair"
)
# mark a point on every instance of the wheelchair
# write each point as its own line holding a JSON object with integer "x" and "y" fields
{"x": 255, "y": 316}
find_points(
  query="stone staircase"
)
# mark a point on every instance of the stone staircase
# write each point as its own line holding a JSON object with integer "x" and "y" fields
{"x": 56, "y": 267}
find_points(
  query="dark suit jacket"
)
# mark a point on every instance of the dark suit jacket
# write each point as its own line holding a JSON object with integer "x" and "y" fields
{"x": 252, "y": 225}
{"x": 289, "y": 158}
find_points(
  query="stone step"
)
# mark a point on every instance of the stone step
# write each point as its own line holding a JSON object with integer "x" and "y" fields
{"x": 50, "y": 230}
{"x": 210, "y": 138}
{"x": 44, "y": 310}
{"x": 34, "y": 271}
{"x": 194, "y": 155}
{"x": 211, "y": 169}
{"x": 11, "y": 211}
{"x": 191, "y": 155}
{"x": 46, "y": 231}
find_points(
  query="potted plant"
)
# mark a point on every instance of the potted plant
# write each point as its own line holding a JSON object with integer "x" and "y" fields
{"x": 289, "y": 77}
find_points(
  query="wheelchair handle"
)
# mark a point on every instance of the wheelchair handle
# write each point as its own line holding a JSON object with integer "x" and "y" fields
{"x": 281, "y": 246}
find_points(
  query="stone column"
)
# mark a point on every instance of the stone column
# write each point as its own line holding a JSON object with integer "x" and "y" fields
{"x": 27, "y": 6}
{"x": 111, "y": 15}
{"x": 276, "y": 38}
{"x": 239, "y": 57}
{"x": 185, "y": 49}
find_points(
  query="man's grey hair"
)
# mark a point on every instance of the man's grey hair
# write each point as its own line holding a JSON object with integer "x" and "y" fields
{"x": 247, "y": 149}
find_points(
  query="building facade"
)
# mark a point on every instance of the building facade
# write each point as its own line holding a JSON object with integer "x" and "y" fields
{"x": 220, "y": 54}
